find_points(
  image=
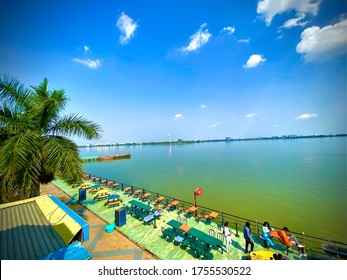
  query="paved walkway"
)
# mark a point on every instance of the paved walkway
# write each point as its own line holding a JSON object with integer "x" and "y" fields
{"x": 101, "y": 245}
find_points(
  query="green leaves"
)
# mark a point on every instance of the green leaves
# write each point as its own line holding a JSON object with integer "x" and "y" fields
{"x": 20, "y": 163}
{"x": 34, "y": 147}
{"x": 14, "y": 94}
{"x": 62, "y": 158}
{"x": 74, "y": 125}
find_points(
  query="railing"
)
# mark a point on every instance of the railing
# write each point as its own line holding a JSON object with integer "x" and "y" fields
{"x": 313, "y": 244}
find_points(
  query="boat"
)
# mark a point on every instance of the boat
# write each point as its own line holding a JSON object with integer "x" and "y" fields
{"x": 332, "y": 250}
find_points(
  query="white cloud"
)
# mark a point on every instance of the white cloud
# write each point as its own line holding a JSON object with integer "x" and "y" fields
{"x": 214, "y": 125}
{"x": 254, "y": 60}
{"x": 93, "y": 64}
{"x": 228, "y": 30}
{"x": 244, "y": 41}
{"x": 279, "y": 37}
{"x": 178, "y": 117}
{"x": 127, "y": 27}
{"x": 306, "y": 116}
{"x": 323, "y": 43}
{"x": 86, "y": 48}
{"x": 271, "y": 8}
{"x": 197, "y": 40}
{"x": 251, "y": 115}
{"x": 293, "y": 22}
{"x": 203, "y": 106}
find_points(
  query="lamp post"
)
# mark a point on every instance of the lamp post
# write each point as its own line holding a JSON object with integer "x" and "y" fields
{"x": 197, "y": 192}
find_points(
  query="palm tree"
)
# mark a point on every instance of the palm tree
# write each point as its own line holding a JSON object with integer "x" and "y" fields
{"x": 34, "y": 143}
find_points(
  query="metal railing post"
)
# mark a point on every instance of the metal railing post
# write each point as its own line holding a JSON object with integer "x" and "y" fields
{"x": 237, "y": 231}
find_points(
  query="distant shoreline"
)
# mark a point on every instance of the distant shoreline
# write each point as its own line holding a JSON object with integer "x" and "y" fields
{"x": 227, "y": 139}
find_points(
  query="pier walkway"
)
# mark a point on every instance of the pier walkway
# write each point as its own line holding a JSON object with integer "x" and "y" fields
{"x": 107, "y": 157}
{"x": 101, "y": 245}
{"x": 149, "y": 238}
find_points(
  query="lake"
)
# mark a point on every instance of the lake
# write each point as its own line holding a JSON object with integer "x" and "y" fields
{"x": 298, "y": 183}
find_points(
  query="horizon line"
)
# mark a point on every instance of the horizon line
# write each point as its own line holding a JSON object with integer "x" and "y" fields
{"x": 182, "y": 141}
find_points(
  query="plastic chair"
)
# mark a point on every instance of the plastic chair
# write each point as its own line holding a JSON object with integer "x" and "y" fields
{"x": 167, "y": 232}
{"x": 199, "y": 216}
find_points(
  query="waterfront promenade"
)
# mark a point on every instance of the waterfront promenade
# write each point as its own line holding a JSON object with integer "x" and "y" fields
{"x": 101, "y": 245}
{"x": 146, "y": 238}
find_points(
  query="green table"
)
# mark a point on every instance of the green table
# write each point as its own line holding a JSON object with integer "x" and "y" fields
{"x": 204, "y": 237}
{"x": 175, "y": 224}
{"x": 140, "y": 205}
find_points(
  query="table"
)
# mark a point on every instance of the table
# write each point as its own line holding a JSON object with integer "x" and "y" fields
{"x": 178, "y": 239}
{"x": 137, "y": 192}
{"x": 204, "y": 237}
{"x": 152, "y": 217}
{"x": 101, "y": 194}
{"x": 175, "y": 224}
{"x": 86, "y": 185}
{"x": 213, "y": 215}
{"x": 113, "y": 185}
{"x": 146, "y": 195}
{"x": 95, "y": 188}
{"x": 113, "y": 200}
{"x": 140, "y": 205}
{"x": 184, "y": 228}
{"x": 173, "y": 204}
{"x": 160, "y": 198}
{"x": 191, "y": 209}
{"x": 113, "y": 197}
{"x": 127, "y": 189}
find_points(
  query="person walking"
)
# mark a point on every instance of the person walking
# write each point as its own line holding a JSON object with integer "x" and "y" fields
{"x": 248, "y": 236}
{"x": 227, "y": 234}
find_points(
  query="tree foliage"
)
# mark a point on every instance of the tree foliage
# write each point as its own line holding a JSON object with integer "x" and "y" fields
{"x": 34, "y": 138}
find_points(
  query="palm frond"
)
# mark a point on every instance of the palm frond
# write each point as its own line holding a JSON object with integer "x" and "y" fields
{"x": 20, "y": 162}
{"x": 74, "y": 125}
{"x": 47, "y": 105}
{"x": 12, "y": 121}
{"x": 42, "y": 89}
{"x": 14, "y": 93}
{"x": 61, "y": 157}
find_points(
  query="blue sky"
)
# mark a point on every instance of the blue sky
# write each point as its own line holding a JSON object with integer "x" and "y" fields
{"x": 194, "y": 69}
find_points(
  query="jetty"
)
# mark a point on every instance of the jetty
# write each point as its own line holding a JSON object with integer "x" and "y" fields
{"x": 107, "y": 157}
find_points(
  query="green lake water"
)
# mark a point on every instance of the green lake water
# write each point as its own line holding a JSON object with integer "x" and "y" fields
{"x": 300, "y": 183}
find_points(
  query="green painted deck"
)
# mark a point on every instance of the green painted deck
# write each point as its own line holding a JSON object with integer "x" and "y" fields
{"x": 151, "y": 237}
